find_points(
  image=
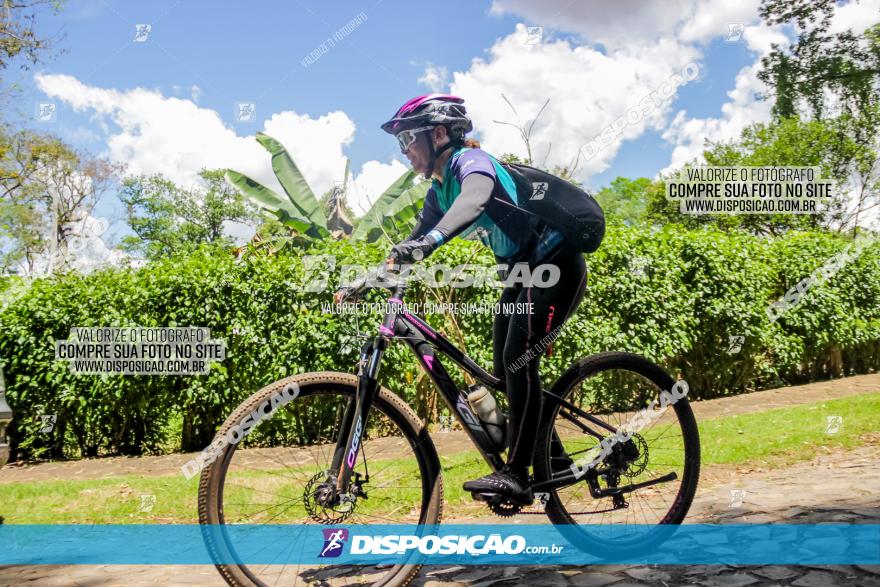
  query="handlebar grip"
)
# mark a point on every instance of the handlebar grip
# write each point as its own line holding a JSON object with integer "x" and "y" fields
{"x": 358, "y": 287}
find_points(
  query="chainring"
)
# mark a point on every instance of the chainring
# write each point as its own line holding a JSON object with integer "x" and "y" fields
{"x": 504, "y": 509}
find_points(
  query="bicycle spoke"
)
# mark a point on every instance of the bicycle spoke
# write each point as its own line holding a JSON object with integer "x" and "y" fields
{"x": 289, "y": 483}
{"x": 649, "y": 454}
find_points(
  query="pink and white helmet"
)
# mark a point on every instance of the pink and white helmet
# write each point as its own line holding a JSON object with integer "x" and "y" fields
{"x": 431, "y": 109}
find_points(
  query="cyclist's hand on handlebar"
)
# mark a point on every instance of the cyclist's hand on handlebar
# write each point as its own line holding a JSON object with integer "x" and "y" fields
{"x": 413, "y": 250}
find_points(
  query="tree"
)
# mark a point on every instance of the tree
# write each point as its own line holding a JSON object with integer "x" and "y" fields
{"x": 525, "y": 129}
{"x": 21, "y": 226}
{"x": 796, "y": 143}
{"x": 167, "y": 218}
{"x": 340, "y": 217}
{"x": 822, "y": 69}
{"x": 788, "y": 142}
{"x": 21, "y": 237}
{"x": 391, "y": 215}
{"x": 47, "y": 193}
{"x": 19, "y": 40}
{"x": 300, "y": 209}
{"x": 834, "y": 77}
{"x": 865, "y": 166}
{"x": 566, "y": 172}
{"x": 625, "y": 199}
{"x": 511, "y": 158}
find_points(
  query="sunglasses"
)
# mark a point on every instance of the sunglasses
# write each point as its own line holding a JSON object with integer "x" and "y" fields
{"x": 406, "y": 138}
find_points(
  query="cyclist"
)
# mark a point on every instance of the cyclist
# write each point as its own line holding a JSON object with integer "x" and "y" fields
{"x": 471, "y": 191}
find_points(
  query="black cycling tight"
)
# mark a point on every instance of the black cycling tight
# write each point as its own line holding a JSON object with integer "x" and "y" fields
{"x": 518, "y": 346}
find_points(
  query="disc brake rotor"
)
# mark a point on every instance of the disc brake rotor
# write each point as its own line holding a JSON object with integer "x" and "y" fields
{"x": 322, "y": 502}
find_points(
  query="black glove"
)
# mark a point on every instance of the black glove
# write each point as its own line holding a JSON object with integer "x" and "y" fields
{"x": 410, "y": 251}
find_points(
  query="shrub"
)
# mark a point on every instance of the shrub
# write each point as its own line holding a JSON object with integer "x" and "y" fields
{"x": 695, "y": 289}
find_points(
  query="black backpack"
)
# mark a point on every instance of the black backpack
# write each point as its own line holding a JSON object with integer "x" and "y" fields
{"x": 561, "y": 204}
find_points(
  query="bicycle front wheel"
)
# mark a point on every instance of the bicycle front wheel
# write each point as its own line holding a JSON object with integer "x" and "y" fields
{"x": 276, "y": 475}
{"x": 624, "y": 500}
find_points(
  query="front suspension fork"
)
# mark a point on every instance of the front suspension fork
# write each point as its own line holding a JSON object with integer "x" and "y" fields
{"x": 352, "y": 428}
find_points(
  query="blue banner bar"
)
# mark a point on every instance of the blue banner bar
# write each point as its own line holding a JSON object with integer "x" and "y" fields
{"x": 509, "y": 544}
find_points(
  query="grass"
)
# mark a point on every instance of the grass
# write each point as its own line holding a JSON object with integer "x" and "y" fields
{"x": 769, "y": 439}
{"x": 116, "y": 500}
{"x": 787, "y": 435}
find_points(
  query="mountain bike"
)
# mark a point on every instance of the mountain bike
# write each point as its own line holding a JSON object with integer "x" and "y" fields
{"x": 348, "y": 450}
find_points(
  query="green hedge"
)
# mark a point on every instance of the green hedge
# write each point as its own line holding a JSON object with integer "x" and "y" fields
{"x": 696, "y": 289}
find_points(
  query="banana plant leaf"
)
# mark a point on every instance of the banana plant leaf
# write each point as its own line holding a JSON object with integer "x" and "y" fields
{"x": 295, "y": 185}
{"x": 400, "y": 215}
{"x": 375, "y": 215}
{"x": 268, "y": 200}
{"x": 395, "y": 210}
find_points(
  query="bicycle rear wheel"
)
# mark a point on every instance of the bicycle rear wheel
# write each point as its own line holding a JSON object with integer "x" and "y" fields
{"x": 275, "y": 475}
{"x": 664, "y": 446}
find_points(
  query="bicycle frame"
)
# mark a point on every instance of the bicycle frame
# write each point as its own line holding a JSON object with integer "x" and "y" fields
{"x": 424, "y": 341}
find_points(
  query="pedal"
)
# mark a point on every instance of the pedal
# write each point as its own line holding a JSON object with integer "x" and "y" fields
{"x": 497, "y": 499}
{"x": 488, "y": 497}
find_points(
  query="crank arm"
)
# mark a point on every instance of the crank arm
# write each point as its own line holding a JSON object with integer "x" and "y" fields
{"x": 563, "y": 481}
{"x": 611, "y": 491}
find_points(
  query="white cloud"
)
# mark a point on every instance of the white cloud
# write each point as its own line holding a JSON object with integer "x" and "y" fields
{"x": 628, "y": 23}
{"x": 856, "y": 16}
{"x": 689, "y": 134}
{"x": 760, "y": 38}
{"x": 316, "y": 144}
{"x": 712, "y": 18}
{"x": 645, "y": 43}
{"x": 152, "y": 133}
{"x": 371, "y": 182}
{"x": 588, "y": 89}
{"x": 434, "y": 77}
{"x": 614, "y": 24}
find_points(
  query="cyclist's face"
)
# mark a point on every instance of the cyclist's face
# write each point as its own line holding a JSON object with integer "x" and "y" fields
{"x": 418, "y": 152}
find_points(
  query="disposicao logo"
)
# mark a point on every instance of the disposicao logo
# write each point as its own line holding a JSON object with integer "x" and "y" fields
{"x": 334, "y": 540}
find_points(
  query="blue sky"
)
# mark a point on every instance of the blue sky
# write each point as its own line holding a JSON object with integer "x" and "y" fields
{"x": 648, "y": 154}
{"x": 167, "y": 104}
{"x": 252, "y": 53}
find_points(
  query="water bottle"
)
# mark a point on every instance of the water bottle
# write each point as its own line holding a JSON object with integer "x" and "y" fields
{"x": 483, "y": 403}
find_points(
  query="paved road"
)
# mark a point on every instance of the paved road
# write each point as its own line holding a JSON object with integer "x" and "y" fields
{"x": 835, "y": 487}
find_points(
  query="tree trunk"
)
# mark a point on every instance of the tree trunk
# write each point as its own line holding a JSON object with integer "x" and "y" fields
{"x": 835, "y": 362}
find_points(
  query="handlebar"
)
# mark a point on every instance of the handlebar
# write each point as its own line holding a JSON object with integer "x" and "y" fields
{"x": 355, "y": 290}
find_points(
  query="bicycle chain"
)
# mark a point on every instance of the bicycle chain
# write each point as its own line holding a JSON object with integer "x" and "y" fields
{"x": 507, "y": 510}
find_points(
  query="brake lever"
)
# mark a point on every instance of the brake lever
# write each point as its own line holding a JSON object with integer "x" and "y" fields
{"x": 359, "y": 287}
